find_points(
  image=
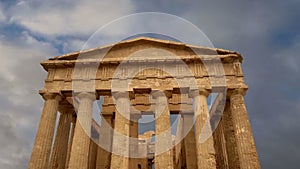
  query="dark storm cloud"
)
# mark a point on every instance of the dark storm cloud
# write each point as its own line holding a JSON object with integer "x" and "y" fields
{"x": 265, "y": 32}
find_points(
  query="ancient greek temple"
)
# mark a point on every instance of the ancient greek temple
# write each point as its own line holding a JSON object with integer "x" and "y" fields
{"x": 202, "y": 87}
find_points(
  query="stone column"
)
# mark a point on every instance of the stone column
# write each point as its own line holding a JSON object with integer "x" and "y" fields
{"x": 92, "y": 154}
{"x": 43, "y": 142}
{"x": 120, "y": 153}
{"x": 81, "y": 141}
{"x": 220, "y": 146}
{"x": 134, "y": 135}
{"x": 230, "y": 139}
{"x": 105, "y": 142}
{"x": 204, "y": 141}
{"x": 163, "y": 137}
{"x": 247, "y": 155}
{"x": 70, "y": 141}
{"x": 189, "y": 141}
{"x": 60, "y": 148}
{"x": 183, "y": 155}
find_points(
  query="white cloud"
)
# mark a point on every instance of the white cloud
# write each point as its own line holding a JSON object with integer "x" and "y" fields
{"x": 72, "y": 44}
{"x": 20, "y": 71}
{"x": 14, "y": 53}
{"x": 21, "y": 77}
{"x": 65, "y": 17}
{"x": 14, "y": 149}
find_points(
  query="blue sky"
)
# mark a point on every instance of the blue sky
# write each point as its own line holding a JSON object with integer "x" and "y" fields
{"x": 266, "y": 33}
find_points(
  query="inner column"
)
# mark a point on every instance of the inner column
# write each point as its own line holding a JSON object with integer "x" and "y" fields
{"x": 134, "y": 134}
{"x": 163, "y": 138}
{"x": 189, "y": 141}
{"x": 105, "y": 141}
{"x": 73, "y": 124}
{"x": 60, "y": 148}
{"x": 120, "y": 153}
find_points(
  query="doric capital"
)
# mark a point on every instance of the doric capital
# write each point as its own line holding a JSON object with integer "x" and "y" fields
{"x": 89, "y": 95}
{"x": 122, "y": 94}
{"x": 241, "y": 91}
{"x": 197, "y": 92}
{"x": 161, "y": 93}
{"x": 186, "y": 114}
{"x": 51, "y": 96}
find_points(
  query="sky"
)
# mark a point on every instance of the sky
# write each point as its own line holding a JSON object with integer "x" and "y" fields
{"x": 266, "y": 33}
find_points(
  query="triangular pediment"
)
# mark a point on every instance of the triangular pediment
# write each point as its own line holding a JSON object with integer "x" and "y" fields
{"x": 144, "y": 43}
{"x": 141, "y": 49}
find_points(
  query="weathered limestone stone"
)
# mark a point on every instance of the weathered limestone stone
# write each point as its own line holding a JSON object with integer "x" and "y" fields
{"x": 92, "y": 154}
{"x": 220, "y": 147}
{"x": 42, "y": 146}
{"x": 183, "y": 156}
{"x": 81, "y": 140}
{"x": 205, "y": 150}
{"x": 105, "y": 140}
{"x": 120, "y": 147}
{"x": 59, "y": 152}
{"x": 246, "y": 149}
{"x": 134, "y": 147}
{"x": 189, "y": 142}
{"x": 163, "y": 138}
{"x": 232, "y": 145}
{"x": 70, "y": 141}
{"x": 230, "y": 138}
{"x": 178, "y": 149}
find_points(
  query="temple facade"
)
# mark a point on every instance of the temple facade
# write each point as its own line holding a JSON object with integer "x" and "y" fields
{"x": 138, "y": 77}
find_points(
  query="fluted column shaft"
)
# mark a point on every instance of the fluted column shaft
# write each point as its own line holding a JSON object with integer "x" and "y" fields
{"x": 105, "y": 142}
{"x": 43, "y": 141}
{"x": 60, "y": 148}
{"x": 163, "y": 137}
{"x": 134, "y": 147}
{"x": 189, "y": 142}
{"x": 220, "y": 146}
{"x": 247, "y": 155}
{"x": 120, "y": 153}
{"x": 73, "y": 124}
{"x": 230, "y": 139}
{"x": 204, "y": 140}
{"x": 92, "y": 154}
{"x": 81, "y": 141}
